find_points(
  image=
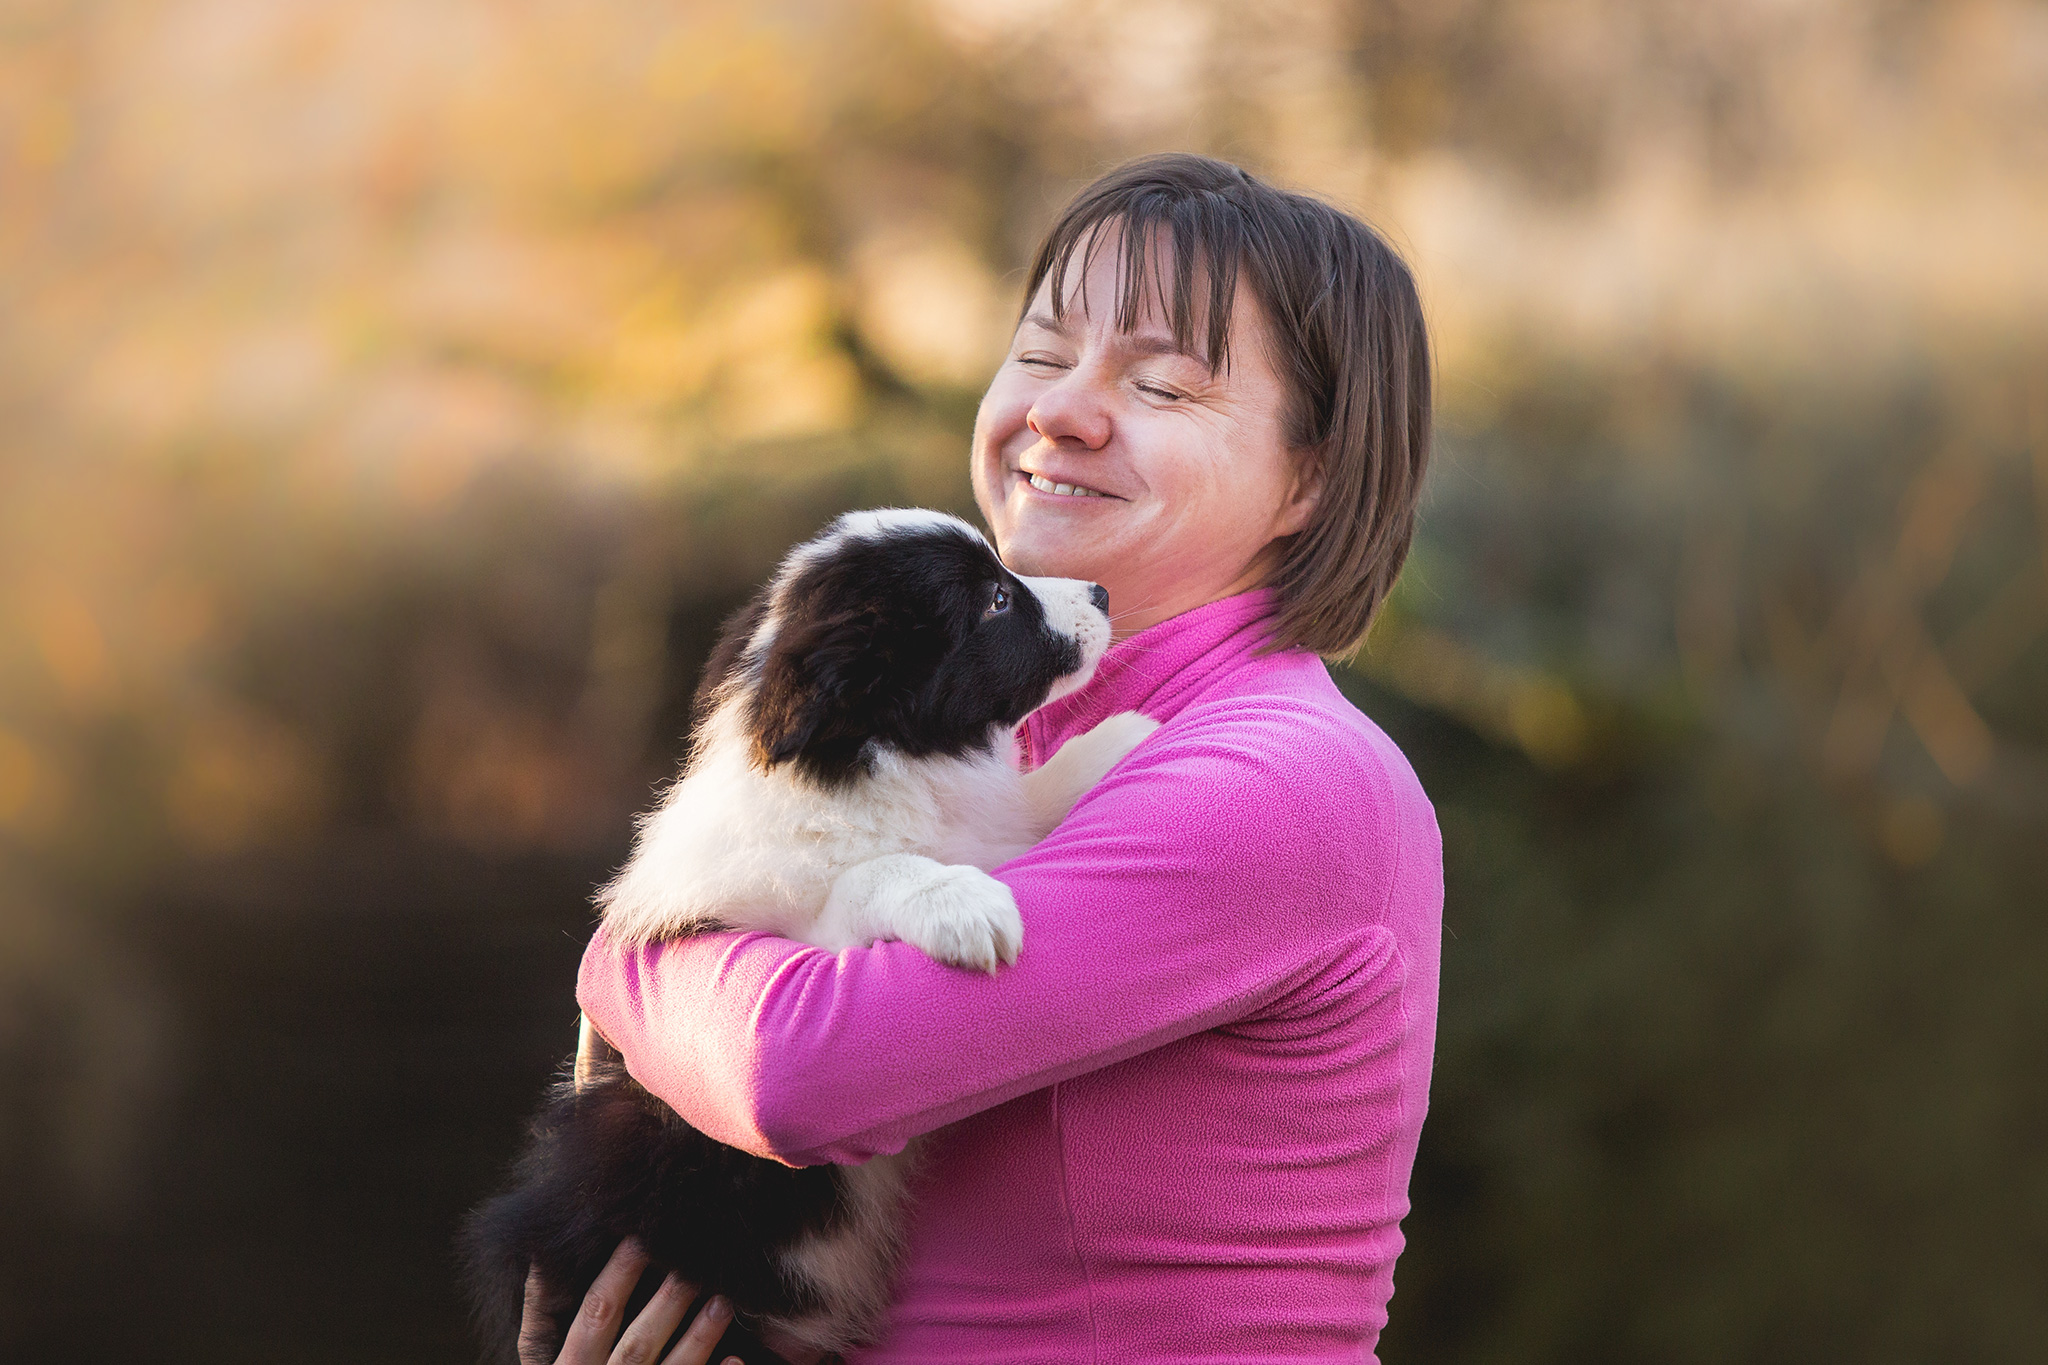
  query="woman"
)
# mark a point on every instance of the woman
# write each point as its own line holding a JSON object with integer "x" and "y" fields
{"x": 1181, "y": 1127}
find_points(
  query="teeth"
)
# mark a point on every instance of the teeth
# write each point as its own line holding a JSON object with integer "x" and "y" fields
{"x": 1065, "y": 490}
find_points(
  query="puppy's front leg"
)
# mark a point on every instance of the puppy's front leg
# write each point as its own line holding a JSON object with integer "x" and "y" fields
{"x": 957, "y": 915}
{"x": 1054, "y": 786}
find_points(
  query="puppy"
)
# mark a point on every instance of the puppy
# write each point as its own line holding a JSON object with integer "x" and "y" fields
{"x": 851, "y": 775}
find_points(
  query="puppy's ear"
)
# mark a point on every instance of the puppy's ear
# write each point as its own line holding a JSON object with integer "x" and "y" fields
{"x": 817, "y": 688}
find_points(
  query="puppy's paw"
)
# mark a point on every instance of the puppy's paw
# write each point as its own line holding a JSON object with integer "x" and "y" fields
{"x": 957, "y": 915}
{"x": 962, "y": 916}
{"x": 1054, "y": 787}
{"x": 1111, "y": 739}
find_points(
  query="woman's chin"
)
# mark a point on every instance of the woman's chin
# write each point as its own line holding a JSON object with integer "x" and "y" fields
{"x": 1039, "y": 551}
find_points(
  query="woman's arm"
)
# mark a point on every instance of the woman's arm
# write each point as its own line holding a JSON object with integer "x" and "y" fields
{"x": 1231, "y": 858}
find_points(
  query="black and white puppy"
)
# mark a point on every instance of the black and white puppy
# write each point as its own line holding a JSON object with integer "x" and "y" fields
{"x": 851, "y": 777}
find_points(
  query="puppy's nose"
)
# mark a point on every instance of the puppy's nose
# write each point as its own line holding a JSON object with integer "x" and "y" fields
{"x": 1099, "y": 595}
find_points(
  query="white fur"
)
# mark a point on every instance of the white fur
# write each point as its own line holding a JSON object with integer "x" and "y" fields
{"x": 1067, "y": 604}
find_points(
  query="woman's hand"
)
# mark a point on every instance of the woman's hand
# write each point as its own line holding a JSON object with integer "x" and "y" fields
{"x": 594, "y": 1338}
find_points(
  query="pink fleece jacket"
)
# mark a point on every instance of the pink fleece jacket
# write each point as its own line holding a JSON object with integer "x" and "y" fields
{"x": 1181, "y": 1128}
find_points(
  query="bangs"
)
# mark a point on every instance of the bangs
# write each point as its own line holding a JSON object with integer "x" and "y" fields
{"x": 1169, "y": 243}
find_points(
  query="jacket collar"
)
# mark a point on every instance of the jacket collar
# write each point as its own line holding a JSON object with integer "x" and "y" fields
{"x": 1158, "y": 671}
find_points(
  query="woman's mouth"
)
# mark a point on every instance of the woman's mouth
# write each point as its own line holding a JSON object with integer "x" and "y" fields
{"x": 1062, "y": 490}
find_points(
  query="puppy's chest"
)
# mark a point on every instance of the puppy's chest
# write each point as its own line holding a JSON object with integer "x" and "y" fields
{"x": 974, "y": 816}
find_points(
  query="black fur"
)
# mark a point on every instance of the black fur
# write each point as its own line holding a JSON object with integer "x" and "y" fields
{"x": 892, "y": 640}
{"x": 611, "y": 1161}
{"x": 733, "y": 636}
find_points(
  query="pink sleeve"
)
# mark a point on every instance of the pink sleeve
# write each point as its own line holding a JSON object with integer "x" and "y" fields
{"x": 1220, "y": 866}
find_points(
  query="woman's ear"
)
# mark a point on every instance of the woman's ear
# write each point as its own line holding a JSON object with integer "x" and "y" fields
{"x": 1302, "y": 497}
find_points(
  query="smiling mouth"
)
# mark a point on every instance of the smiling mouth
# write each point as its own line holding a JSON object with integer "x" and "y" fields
{"x": 1063, "y": 490}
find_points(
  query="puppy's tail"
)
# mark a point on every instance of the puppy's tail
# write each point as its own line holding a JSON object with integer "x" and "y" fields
{"x": 501, "y": 1239}
{"x": 494, "y": 1270}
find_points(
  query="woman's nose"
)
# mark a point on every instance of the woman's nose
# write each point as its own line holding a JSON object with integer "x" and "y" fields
{"x": 1070, "y": 410}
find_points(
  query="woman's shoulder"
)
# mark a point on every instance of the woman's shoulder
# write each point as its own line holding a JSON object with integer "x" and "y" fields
{"x": 1290, "y": 753}
{"x": 1293, "y": 788}
{"x": 1292, "y": 722}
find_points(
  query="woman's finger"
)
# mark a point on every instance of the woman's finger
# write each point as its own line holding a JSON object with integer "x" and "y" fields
{"x": 662, "y": 1314}
{"x": 597, "y": 1322}
{"x": 697, "y": 1343}
{"x": 536, "y": 1331}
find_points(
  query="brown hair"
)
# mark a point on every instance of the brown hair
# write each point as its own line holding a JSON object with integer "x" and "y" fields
{"x": 1348, "y": 339}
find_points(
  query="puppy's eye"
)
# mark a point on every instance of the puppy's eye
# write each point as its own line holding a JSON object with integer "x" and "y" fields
{"x": 1000, "y": 603}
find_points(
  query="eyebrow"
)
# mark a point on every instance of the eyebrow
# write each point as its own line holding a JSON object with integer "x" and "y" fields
{"x": 1142, "y": 343}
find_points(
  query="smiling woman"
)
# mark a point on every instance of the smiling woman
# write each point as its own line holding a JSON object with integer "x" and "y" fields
{"x": 1188, "y": 501}
{"x": 1180, "y": 1127}
{"x": 1227, "y": 451}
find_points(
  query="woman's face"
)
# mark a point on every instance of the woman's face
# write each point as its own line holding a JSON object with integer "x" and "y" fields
{"x": 1180, "y": 480}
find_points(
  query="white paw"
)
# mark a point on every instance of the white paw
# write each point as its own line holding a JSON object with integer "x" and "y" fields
{"x": 961, "y": 916}
{"x": 1120, "y": 734}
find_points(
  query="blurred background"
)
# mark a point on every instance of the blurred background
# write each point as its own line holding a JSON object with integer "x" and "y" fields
{"x": 394, "y": 396}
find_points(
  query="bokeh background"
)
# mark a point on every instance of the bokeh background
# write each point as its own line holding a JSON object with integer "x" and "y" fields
{"x": 393, "y": 397}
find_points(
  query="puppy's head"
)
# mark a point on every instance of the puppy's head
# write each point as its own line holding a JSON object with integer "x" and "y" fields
{"x": 899, "y": 630}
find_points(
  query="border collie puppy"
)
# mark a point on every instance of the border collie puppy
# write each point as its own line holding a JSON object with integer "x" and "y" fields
{"x": 851, "y": 775}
